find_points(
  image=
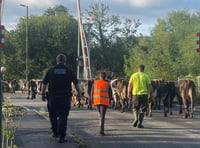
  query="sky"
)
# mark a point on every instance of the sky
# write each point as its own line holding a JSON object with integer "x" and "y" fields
{"x": 148, "y": 11}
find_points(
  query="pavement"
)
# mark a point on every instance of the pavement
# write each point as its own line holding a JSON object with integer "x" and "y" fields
{"x": 34, "y": 132}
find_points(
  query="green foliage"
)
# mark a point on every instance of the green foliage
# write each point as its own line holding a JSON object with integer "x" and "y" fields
{"x": 171, "y": 51}
{"x": 57, "y": 10}
{"x": 48, "y": 35}
{"x": 111, "y": 38}
{"x": 114, "y": 46}
{"x": 11, "y": 114}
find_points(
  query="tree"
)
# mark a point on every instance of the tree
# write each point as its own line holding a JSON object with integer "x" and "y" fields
{"x": 111, "y": 36}
{"x": 170, "y": 52}
{"x": 48, "y": 36}
{"x": 57, "y": 10}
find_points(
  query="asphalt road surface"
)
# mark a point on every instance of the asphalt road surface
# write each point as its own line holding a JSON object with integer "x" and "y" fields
{"x": 160, "y": 132}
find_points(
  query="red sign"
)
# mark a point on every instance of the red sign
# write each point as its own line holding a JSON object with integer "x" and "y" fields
{"x": 2, "y": 36}
{"x": 198, "y": 42}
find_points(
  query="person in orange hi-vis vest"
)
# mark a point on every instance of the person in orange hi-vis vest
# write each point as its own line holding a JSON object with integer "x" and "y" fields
{"x": 101, "y": 94}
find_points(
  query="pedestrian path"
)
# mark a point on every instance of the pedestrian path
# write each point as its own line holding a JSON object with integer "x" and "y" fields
{"x": 35, "y": 133}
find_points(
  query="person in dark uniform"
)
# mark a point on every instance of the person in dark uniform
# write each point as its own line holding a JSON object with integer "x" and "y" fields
{"x": 59, "y": 79}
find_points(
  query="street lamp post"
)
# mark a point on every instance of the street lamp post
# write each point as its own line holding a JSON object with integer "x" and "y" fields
{"x": 26, "y": 72}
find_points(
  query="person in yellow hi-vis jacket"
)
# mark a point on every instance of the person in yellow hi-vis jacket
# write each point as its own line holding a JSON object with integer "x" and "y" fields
{"x": 140, "y": 88}
{"x": 101, "y": 94}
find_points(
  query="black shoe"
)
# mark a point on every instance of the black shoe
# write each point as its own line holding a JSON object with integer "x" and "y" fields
{"x": 135, "y": 124}
{"x": 102, "y": 134}
{"x": 55, "y": 135}
{"x": 62, "y": 140}
{"x": 140, "y": 126}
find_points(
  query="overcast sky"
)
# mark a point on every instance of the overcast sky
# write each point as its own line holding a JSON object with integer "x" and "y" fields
{"x": 148, "y": 11}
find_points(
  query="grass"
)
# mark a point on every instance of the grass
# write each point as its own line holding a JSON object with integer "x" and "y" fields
{"x": 77, "y": 139}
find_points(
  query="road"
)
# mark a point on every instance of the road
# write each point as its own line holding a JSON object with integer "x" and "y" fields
{"x": 160, "y": 132}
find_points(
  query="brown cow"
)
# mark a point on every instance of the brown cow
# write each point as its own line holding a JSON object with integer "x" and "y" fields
{"x": 152, "y": 98}
{"x": 85, "y": 88}
{"x": 122, "y": 88}
{"x": 188, "y": 94}
{"x": 115, "y": 97}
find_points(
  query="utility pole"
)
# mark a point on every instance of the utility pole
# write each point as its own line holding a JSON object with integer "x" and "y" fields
{"x": 26, "y": 71}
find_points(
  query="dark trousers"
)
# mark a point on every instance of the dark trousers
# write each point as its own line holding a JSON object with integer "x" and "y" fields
{"x": 102, "y": 112}
{"x": 140, "y": 103}
{"x": 139, "y": 108}
{"x": 59, "y": 107}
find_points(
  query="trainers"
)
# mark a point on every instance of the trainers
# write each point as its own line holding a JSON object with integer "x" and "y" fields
{"x": 62, "y": 140}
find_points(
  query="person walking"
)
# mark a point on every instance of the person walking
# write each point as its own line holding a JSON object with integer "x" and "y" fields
{"x": 101, "y": 94}
{"x": 2, "y": 72}
{"x": 139, "y": 89}
{"x": 59, "y": 79}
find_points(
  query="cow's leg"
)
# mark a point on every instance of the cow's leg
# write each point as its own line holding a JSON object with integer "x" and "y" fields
{"x": 148, "y": 113}
{"x": 166, "y": 105}
{"x": 119, "y": 103}
{"x": 185, "y": 105}
{"x": 149, "y": 107}
{"x": 115, "y": 100}
{"x": 28, "y": 97}
{"x": 14, "y": 89}
{"x": 159, "y": 101}
{"x": 130, "y": 104}
{"x": 192, "y": 110}
{"x": 191, "y": 96}
{"x": 79, "y": 102}
{"x": 180, "y": 104}
{"x": 170, "y": 104}
{"x": 126, "y": 103}
{"x": 122, "y": 105}
{"x": 156, "y": 103}
{"x": 90, "y": 103}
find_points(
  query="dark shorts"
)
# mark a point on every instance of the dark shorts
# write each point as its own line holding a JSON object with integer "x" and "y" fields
{"x": 140, "y": 102}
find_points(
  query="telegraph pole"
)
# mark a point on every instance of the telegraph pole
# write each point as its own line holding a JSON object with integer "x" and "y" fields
{"x": 27, "y": 71}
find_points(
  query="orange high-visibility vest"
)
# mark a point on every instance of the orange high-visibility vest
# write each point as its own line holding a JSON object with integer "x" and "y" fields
{"x": 101, "y": 93}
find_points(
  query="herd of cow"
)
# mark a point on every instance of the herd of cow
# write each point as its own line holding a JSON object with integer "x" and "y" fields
{"x": 163, "y": 92}
{"x": 33, "y": 87}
